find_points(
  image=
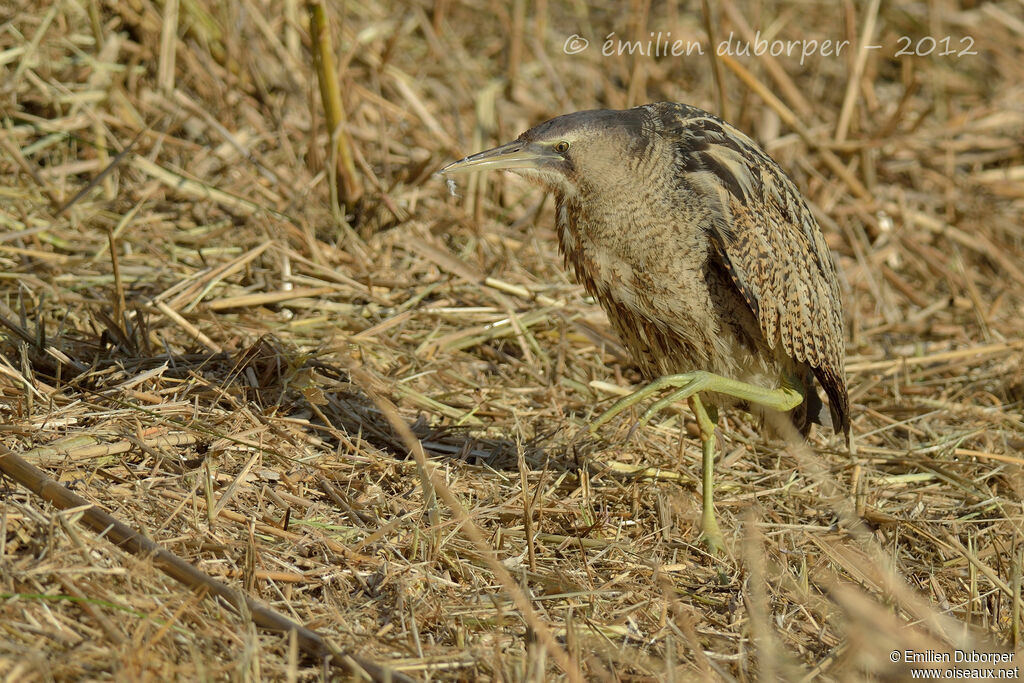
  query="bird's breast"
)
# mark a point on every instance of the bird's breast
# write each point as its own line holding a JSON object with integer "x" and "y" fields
{"x": 665, "y": 298}
{"x": 643, "y": 258}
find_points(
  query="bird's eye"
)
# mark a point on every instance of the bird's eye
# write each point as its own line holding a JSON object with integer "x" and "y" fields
{"x": 562, "y": 147}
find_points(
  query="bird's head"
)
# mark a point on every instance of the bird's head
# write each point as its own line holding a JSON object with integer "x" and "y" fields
{"x": 568, "y": 152}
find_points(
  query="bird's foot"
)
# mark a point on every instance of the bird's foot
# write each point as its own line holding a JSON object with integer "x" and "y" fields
{"x": 689, "y": 384}
{"x": 686, "y": 384}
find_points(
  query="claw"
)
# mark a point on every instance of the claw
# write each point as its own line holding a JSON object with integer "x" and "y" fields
{"x": 685, "y": 391}
{"x": 687, "y": 384}
{"x": 633, "y": 430}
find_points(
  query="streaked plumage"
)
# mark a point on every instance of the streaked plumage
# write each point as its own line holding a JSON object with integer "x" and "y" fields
{"x": 703, "y": 254}
{"x": 699, "y": 247}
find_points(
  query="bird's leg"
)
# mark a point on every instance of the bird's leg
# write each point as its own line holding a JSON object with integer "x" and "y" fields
{"x": 688, "y": 384}
{"x": 707, "y": 421}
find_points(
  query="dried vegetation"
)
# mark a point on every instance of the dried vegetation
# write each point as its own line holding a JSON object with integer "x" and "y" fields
{"x": 379, "y": 426}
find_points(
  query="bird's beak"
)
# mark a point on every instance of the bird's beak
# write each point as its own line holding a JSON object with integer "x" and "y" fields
{"x": 515, "y": 154}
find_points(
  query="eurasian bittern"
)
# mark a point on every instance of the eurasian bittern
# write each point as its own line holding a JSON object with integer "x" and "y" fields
{"x": 705, "y": 257}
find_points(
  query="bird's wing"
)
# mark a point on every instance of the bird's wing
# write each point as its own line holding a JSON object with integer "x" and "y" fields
{"x": 774, "y": 250}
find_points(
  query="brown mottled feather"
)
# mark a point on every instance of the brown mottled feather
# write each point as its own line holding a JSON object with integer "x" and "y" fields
{"x": 773, "y": 246}
{"x": 698, "y": 246}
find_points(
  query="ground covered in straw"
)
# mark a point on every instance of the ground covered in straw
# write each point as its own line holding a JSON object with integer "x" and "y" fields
{"x": 313, "y": 374}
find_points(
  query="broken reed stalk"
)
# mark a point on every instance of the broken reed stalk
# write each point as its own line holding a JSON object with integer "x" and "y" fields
{"x": 330, "y": 96}
{"x": 716, "y": 66}
{"x": 527, "y": 509}
{"x": 118, "y": 295}
{"x": 126, "y": 538}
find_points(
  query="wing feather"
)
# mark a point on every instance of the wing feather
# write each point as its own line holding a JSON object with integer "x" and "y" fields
{"x": 769, "y": 240}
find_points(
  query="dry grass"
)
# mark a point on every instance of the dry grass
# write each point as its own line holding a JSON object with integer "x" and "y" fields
{"x": 194, "y": 339}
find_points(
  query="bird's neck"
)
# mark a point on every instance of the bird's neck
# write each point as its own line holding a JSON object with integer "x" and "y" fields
{"x": 572, "y": 243}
